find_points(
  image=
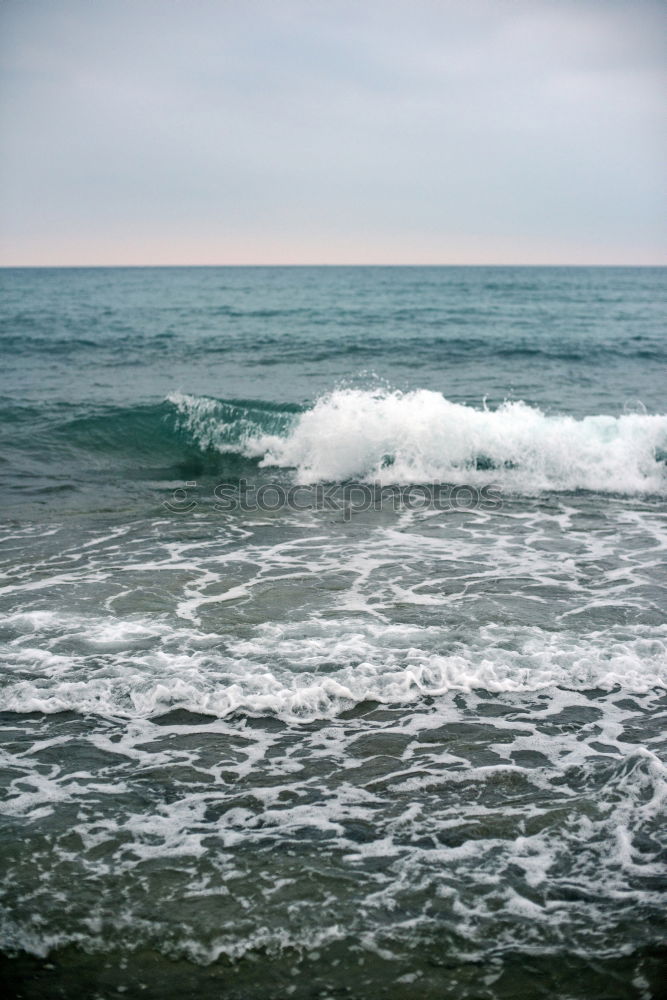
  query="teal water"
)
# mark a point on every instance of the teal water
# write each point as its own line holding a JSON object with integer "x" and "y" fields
{"x": 403, "y": 751}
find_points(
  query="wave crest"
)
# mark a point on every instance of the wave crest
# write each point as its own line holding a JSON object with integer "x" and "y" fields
{"x": 420, "y": 436}
{"x": 377, "y": 436}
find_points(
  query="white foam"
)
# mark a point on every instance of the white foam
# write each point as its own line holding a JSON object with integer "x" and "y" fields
{"x": 340, "y": 663}
{"x": 420, "y": 436}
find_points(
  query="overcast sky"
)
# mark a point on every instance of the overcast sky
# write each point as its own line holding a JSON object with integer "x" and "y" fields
{"x": 327, "y": 131}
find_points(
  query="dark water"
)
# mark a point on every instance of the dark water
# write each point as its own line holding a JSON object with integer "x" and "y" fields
{"x": 313, "y": 750}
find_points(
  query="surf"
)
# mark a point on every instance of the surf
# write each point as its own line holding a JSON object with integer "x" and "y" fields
{"x": 393, "y": 437}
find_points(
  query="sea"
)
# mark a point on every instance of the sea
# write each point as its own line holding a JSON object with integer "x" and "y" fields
{"x": 333, "y": 633}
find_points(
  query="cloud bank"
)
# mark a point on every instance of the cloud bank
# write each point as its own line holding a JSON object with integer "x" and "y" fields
{"x": 223, "y": 132}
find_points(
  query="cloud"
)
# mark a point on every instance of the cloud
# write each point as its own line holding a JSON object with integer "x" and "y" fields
{"x": 257, "y": 132}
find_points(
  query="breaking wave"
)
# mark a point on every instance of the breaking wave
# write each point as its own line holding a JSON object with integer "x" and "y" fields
{"x": 381, "y": 436}
{"x": 420, "y": 436}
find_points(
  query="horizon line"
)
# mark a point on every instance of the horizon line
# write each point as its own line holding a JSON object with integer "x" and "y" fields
{"x": 7, "y": 267}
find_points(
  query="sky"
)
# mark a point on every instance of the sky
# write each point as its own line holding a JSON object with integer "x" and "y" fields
{"x": 146, "y": 132}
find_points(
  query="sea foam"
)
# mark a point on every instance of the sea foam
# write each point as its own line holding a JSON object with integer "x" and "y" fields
{"x": 142, "y": 669}
{"x": 420, "y": 436}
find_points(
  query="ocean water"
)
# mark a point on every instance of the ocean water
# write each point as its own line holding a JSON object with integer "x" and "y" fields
{"x": 397, "y": 733}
